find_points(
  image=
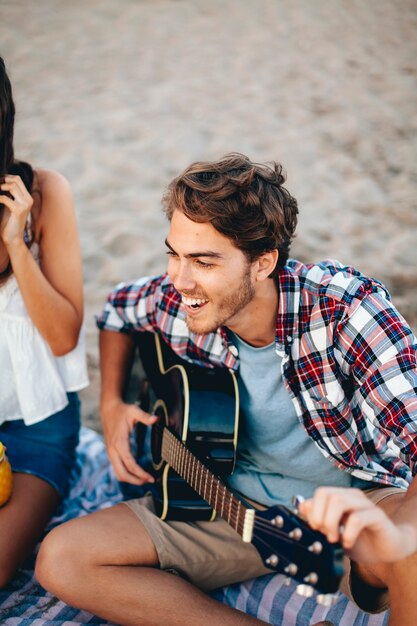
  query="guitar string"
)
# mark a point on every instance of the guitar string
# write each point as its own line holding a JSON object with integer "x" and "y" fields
{"x": 266, "y": 526}
{"x": 281, "y": 558}
{"x": 273, "y": 531}
{"x": 204, "y": 473}
{"x": 236, "y": 520}
{"x": 315, "y": 562}
{"x": 299, "y": 546}
{"x": 239, "y": 521}
{"x": 229, "y": 498}
{"x": 266, "y": 522}
{"x": 284, "y": 561}
{"x": 174, "y": 445}
{"x": 318, "y": 564}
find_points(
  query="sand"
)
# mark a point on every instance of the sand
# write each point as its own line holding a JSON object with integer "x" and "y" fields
{"x": 121, "y": 95}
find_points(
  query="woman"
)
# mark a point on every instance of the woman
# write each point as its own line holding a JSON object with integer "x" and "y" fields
{"x": 42, "y": 357}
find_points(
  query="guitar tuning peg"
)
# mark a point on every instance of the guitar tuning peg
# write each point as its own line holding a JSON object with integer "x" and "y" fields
{"x": 305, "y": 590}
{"x": 311, "y": 578}
{"x": 277, "y": 521}
{"x": 291, "y": 569}
{"x": 296, "y": 534}
{"x": 327, "y": 599}
{"x": 296, "y": 501}
{"x": 316, "y": 547}
{"x": 272, "y": 560}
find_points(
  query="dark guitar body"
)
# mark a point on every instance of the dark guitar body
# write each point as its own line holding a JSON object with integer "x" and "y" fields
{"x": 198, "y": 410}
{"x": 201, "y": 406}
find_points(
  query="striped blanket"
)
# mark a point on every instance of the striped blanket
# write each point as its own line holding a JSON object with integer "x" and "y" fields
{"x": 94, "y": 487}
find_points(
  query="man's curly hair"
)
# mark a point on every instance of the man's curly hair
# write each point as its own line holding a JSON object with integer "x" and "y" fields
{"x": 244, "y": 201}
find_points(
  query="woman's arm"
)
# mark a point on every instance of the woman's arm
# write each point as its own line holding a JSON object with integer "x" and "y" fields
{"x": 52, "y": 292}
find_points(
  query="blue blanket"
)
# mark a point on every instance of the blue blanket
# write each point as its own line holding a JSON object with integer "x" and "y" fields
{"x": 94, "y": 487}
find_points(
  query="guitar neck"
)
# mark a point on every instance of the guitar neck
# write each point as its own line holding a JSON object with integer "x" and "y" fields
{"x": 207, "y": 485}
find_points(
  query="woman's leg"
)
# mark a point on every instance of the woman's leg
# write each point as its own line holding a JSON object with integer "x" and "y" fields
{"x": 23, "y": 520}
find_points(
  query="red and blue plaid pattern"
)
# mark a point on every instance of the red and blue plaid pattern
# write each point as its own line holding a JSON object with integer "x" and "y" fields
{"x": 348, "y": 360}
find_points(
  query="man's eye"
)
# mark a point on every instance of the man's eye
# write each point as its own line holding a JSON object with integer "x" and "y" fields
{"x": 202, "y": 264}
{"x": 171, "y": 254}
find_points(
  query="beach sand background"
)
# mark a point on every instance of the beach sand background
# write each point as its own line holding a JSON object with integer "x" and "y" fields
{"x": 121, "y": 95}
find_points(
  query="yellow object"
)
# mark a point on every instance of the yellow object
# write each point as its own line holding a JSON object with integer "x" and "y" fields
{"x": 6, "y": 480}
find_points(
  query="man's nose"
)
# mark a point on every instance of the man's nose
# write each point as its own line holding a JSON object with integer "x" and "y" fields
{"x": 182, "y": 277}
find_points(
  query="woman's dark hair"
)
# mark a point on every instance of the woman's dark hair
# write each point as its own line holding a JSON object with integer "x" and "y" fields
{"x": 8, "y": 163}
{"x": 244, "y": 201}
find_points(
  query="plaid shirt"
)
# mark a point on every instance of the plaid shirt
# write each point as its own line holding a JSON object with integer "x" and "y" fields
{"x": 348, "y": 360}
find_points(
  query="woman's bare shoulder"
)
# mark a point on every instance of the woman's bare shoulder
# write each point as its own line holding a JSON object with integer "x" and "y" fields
{"x": 51, "y": 182}
{"x": 54, "y": 204}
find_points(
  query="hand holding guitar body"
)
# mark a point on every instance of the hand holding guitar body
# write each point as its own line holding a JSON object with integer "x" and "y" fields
{"x": 118, "y": 417}
{"x": 119, "y": 420}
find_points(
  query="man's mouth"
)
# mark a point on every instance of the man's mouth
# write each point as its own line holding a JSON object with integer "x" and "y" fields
{"x": 194, "y": 303}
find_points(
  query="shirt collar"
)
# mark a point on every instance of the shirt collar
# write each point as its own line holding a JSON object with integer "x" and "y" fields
{"x": 288, "y": 307}
{"x": 287, "y": 318}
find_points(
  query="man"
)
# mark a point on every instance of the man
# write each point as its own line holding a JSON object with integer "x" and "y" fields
{"x": 327, "y": 376}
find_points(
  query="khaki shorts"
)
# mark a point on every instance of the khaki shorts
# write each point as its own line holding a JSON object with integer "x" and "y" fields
{"x": 212, "y": 554}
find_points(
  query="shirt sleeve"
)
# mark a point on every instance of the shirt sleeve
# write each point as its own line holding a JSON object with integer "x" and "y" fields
{"x": 378, "y": 351}
{"x": 133, "y": 306}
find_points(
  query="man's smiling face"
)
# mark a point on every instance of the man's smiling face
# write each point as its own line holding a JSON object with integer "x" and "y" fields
{"x": 214, "y": 278}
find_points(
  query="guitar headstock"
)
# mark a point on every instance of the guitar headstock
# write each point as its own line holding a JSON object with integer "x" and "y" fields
{"x": 288, "y": 545}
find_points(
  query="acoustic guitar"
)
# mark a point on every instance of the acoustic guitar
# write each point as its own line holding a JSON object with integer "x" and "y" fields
{"x": 193, "y": 447}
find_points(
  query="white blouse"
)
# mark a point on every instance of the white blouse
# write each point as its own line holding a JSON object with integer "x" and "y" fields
{"x": 33, "y": 382}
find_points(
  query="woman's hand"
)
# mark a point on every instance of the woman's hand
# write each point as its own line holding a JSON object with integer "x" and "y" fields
{"x": 51, "y": 288}
{"x": 17, "y": 204}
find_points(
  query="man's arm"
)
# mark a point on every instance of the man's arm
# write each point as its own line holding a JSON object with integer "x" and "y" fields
{"x": 118, "y": 417}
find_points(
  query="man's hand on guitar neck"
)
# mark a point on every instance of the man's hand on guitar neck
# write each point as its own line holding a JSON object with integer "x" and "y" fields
{"x": 119, "y": 420}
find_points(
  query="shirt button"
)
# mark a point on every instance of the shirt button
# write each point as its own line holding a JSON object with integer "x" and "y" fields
{"x": 234, "y": 350}
{"x": 289, "y": 338}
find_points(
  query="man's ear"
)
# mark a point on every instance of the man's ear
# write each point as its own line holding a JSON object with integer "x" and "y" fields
{"x": 266, "y": 264}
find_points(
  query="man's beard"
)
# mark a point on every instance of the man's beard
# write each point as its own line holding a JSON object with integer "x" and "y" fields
{"x": 230, "y": 306}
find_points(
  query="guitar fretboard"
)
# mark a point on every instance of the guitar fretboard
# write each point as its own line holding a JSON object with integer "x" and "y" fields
{"x": 207, "y": 485}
